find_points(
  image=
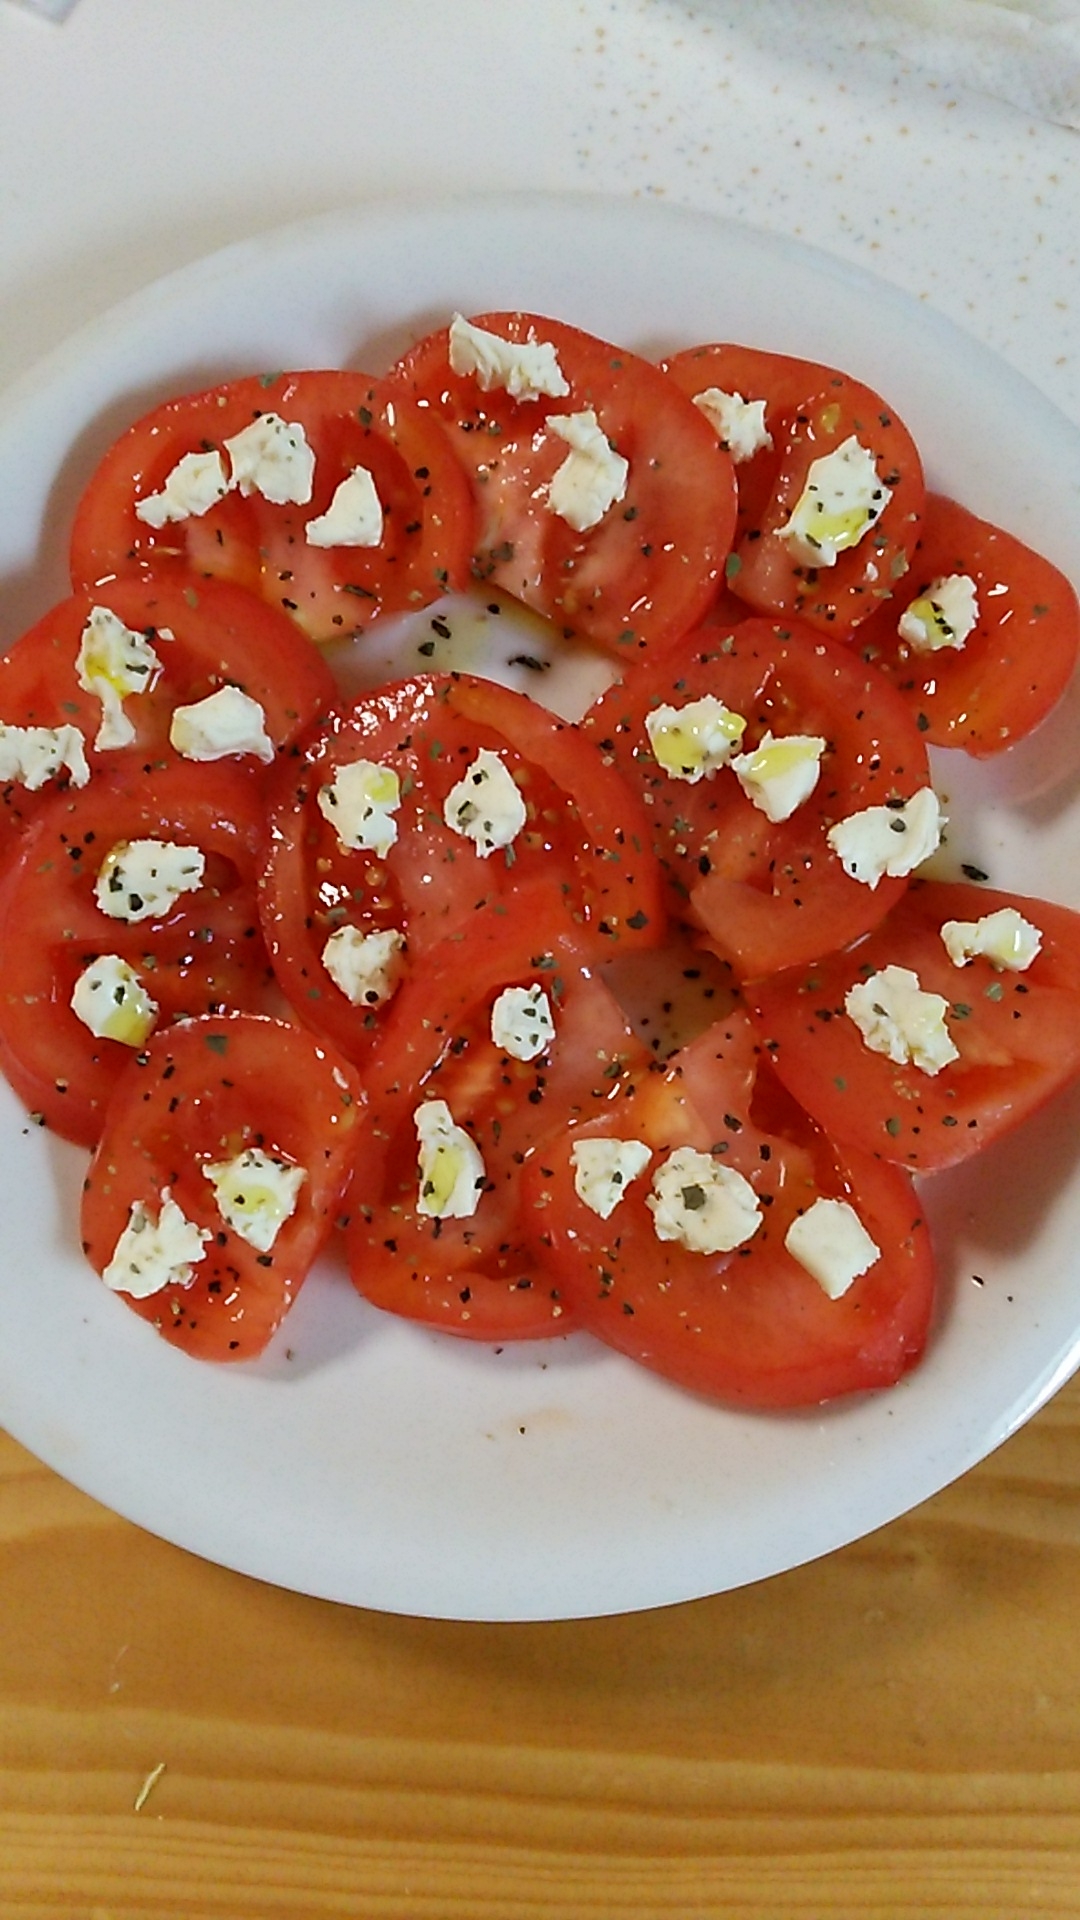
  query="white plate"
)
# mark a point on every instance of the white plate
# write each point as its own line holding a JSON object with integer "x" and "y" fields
{"x": 363, "y": 1459}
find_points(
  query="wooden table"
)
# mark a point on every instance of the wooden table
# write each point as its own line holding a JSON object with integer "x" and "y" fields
{"x": 891, "y": 1731}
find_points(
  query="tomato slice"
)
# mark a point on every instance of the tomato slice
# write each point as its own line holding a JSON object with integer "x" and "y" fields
{"x": 1016, "y": 663}
{"x": 475, "y": 1276}
{"x": 764, "y": 892}
{"x": 771, "y": 578}
{"x": 206, "y": 634}
{"x": 584, "y": 837}
{"x": 349, "y": 421}
{"x": 751, "y": 1326}
{"x": 202, "y": 955}
{"x": 1017, "y": 1033}
{"x": 642, "y": 575}
{"x": 199, "y": 1095}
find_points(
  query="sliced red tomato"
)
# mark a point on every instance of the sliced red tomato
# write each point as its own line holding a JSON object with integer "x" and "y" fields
{"x": 584, "y": 838}
{"x": 750, "y": 1326}
{"x": 204, "y": 955}
{"x": 638, "y": 578}
{"x": 349, "y": 421}
{"x": 1017, "y": 1034}
{"x": 769, "y": 572}
{"x": 205, "y": 634}
{"x": 475, "y": 1275}
{"x": 199, "y": 1096}
{"x": 1013, "y": 667}
{"x": 763, "y": 891}
{"x": 781, "y": 382}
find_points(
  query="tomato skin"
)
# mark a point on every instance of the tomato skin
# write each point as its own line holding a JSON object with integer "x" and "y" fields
{"x": 218, "y": 634}
{"x": 332, "y": 594}
{"x": 202, "y": 1092}
{"x": 208, "y": 953}
{"x": 762, "y": 892}
{"x": 1018, "y": 1034}
{"x": 1017, "y": 663}
{"x": 476, "y": 1277}
{"x": 635, "y": 582}
{"x": 839, "y": 598}
{"x": 751, "y": 1328}
{"x": 579, "y": 839}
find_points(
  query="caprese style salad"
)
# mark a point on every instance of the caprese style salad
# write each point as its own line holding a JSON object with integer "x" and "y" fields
{"x": 294, "y": 961}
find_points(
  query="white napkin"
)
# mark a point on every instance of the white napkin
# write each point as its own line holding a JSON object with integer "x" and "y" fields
{"x": 51, "y": 9}
{"x": 1023, "y": 51}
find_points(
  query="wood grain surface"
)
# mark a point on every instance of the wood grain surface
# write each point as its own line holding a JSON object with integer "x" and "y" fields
{"x": 894, "y": 1730}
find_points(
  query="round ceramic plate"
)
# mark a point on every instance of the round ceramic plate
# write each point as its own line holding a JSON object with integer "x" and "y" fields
{"x": 362, "y": 1458}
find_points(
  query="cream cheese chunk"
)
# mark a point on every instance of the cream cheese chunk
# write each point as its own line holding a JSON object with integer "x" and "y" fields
{"x": 143, "y": 879}
{"x": 451, "y": 1167}
{"x": 779, "y": 774}
{"x": 354, "y": 517}
{"x": 31, "y": 756}
{"x": 945, "y": 616}
{"x": 703, "y": 1205}
{"x": 365, "y": 966}
{"x": 255, "y": 1194}
{"x": 842, "y": 499}
{"x": 693, "y": 741}
{"x": 226, "y": 722}
{"x": 830, "y": 1241}
{"x": 486, "y": 806}
{"x": 604, "y": 1168}
{"x": 739, "y": 424}
{"x": 110, "y": 999}
{"x": 1005, "y": 938}
{"x": 151, "y": 1255}
{"x": 114, "y": 662}
{"x": 898, "y": 1018}
{"x": 197, "y": 482}
{"x": 272, "y": 457}
{"x": 521, "y": 1022}
{"x": 591, "y": 478}
{"x": 360, "y": 803}
{"x": 888, "y": 841}
{"x": 524, "y": 371}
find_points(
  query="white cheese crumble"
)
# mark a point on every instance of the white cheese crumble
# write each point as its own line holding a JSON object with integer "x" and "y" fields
{"x": 779, "y": 774}
{"x": 197, "y": 482}
{"x": 888, "y": 841}
{"x": 591, "y": 478}
{"x": 1004, "y": 937}
{"x": 521, "y": 1022}
{"x": 897, "y": 1018}
{"x": 946, "y": 615}
{"x": 255, "y": 1194}
{"x": 110, "y": 999}
{"x": 354, "y": 517}
{"x": 360, "y": 803}
{"x": 226, "y": 722}
{"x": 486, "y": 806}
{"x": 143, "y": 879}
{"x": 366, "y": 966}
{"x": 151, "y": 1255}
{"x": 704, "y": 1205}
{"x": 271, "y": 456}
{"x": 842, "y": 499}
{"x": 29, "y": 756}
{"x": 603, "y": 1169}
{"x": 112, "y": 663}
{"x": 693, "y": 741}
{"x": 524, "y": 372}
{"x": 451, "y": 1167}
{"x": 739, "y": 424}
{"x": 830, "y": 1241}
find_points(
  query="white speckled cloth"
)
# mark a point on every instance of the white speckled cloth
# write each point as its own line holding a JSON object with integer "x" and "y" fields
{"x": 50, "y": 9}
{"x": 1027, "y": 54}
